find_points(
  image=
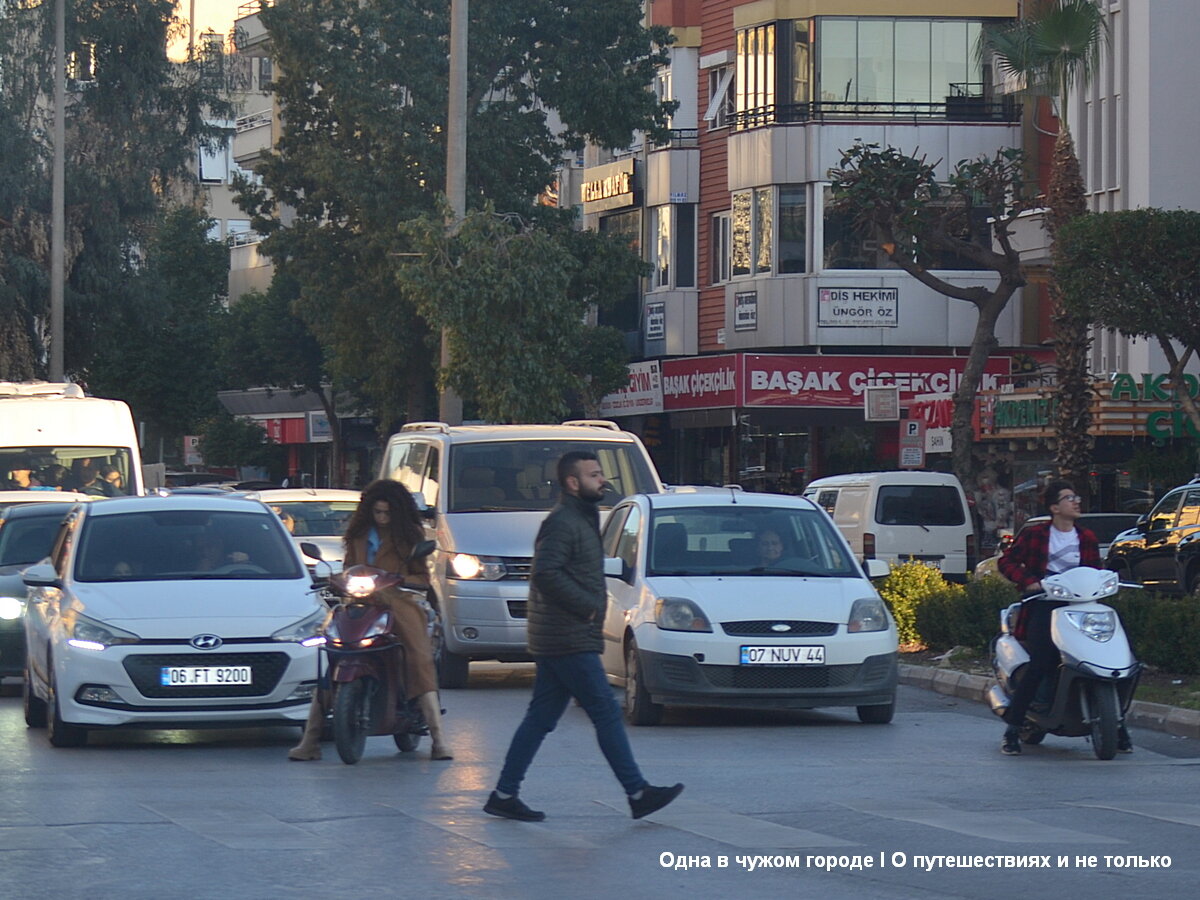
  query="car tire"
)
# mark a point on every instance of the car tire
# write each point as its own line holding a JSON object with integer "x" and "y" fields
{"x": 60, "y": 733}
{"x": 454, "y": 670}
{"x": 639, "y": 708}
{"x": 878, "y": 714}
{"x": 36, "y": 712}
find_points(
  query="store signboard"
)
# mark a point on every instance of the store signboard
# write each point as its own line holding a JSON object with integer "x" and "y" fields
{"x": 745, "y": 311}
{"x": 856, "y": 307}
{"x": 642, "y": 395}
{"x": 912, "y": 443}
{"x": 656, "y": 321}
{"x": 839, "y": 381}
{"x": 701, "y": 382}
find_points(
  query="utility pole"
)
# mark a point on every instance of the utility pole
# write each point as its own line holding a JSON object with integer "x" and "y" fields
{"x": 449, "y": 403}
{"x": 58, "y": 193}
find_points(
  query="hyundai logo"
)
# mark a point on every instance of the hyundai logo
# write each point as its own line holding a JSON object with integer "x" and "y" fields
{"x": 781, "y": 626}
{"x": 205, "y": 642}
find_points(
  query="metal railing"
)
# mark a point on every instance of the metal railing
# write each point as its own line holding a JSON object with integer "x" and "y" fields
{"x": 253, "y": 120}
{"x": 253, "y": 8}
{"x": 681, "y": 139}
{"x": 964, "y": 109}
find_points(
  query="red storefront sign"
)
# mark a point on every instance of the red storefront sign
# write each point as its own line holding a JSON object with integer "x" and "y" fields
{"x": 838, "y": 381}
{"x": 702, "y": 382}
{"x": 286, "y": 431}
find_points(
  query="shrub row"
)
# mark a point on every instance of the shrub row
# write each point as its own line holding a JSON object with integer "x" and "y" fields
{"x": 1163, "y": 629}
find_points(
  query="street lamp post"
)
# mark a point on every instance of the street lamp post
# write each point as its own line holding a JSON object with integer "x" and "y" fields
{"x": 58, "y": 193}
{"x": 449, "y": 403}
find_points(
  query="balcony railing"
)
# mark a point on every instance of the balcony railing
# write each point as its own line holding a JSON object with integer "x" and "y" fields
{"x": 253, "y": 8}
{"x": 681, "y": 139}
{"x": 952, "y": 109}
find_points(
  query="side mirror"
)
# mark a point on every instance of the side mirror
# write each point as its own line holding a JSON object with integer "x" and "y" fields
{"x": 423, "y": 509}
{"x": 41, "y": 575}
{"x": 614, "y": 567}
{"x": 423, "y": 549}
{"x": 311, "y": 550}
{"x": 877, "y": 568}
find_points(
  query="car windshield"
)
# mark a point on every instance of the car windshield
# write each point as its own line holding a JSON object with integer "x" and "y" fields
{"x": 184, "y": 544}
{"x": 310, "y": 518}
{"x": 98, "y": 471}
{"x": 747, "y": 540}
{"x": 25, "y": 541}
{"x": 521, "y": 475}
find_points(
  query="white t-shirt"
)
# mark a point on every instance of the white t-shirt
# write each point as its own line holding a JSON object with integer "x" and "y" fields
{"x": 1063, "y": 552}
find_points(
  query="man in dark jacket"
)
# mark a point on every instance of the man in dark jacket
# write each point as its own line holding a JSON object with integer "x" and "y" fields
{"x": 1047, "y": 548}
{"x": 567, "y": 599}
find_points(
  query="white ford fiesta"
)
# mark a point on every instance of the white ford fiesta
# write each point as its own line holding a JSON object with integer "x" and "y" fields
{"x": 722, "y": 598}
{"x": 183, "y": 611}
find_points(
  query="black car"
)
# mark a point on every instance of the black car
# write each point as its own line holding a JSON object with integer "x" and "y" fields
{"x": 1153, "y": 553}
{"x": 26, "y": 535}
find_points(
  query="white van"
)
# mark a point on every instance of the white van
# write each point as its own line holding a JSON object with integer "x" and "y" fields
{"x": 51, "y": 433}
{"x": 488, "y": 487}
{"x": 902, "y": 516}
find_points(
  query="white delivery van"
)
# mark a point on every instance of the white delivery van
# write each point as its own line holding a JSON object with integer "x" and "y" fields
{"x": 488, "y": 487}
{"x": 902, "y": 516}
{"x": 52, "y": 434}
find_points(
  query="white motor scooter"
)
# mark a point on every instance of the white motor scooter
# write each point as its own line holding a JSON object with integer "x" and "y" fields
{"x": 1098, "y": 674}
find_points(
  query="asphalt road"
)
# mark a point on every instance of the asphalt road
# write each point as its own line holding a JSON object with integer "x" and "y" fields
{"x": 225, "y": 815}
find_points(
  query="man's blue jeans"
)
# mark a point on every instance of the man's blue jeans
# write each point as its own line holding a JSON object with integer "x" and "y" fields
{"x": 559, "y": 678}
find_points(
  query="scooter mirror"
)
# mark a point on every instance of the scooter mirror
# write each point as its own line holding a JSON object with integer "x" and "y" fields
{"x": 423, "y": 549}
{"x": 311, "y": 550}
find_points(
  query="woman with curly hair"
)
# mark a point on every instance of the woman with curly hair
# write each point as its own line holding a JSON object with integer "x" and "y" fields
{"x": 382, "y": 533}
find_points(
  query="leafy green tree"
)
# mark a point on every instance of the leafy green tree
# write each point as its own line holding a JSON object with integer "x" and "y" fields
{"x": 156, "y": 350}
{"x": 898, "y": 199}
{"x": 1136, "y": 272}
{"x": 513, "y": 300}
{"x": 226, "y": 440}
{"x": 1054, "y": 49}
{"x": 133, "y": 124}
{"x": 263, "y": 342}
{"x": 363, "y": 94}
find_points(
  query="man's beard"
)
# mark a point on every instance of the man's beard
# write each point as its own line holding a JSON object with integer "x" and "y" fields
{"x": 592, "y": 496}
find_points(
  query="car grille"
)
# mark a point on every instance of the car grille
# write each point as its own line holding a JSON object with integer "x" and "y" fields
{"x": 767, "y": 627}
{"x": 518, "y": 609}
{"x": 780, "y": 677}
{"x": 266, "y": 668}
{"x": 517, "y": 568}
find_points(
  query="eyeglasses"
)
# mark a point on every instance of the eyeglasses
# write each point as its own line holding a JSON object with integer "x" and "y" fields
{"x": 1069, "y": 498}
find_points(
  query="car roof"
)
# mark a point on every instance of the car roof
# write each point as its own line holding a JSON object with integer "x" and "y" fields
{"x": 36, "y": 510}
{"x": 153, "y": 502}
{"x": 458, "y": 434}
{"x": 26, "y": 497}
{"x": 293, "y": 495}
{"x": 682, "y": 497}
{"x": 897, "y": 477}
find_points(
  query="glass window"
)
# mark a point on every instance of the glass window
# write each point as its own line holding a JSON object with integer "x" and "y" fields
{"x": 919, "y": 504}
{"x": 1190, "y": 513}
{"x": 950, "y": 56}
{"x": 660, "y": 247}
{"x": 627, "y": 545}
{"x": 720, "y": 247}
{"x": 741, "y": 227}
{"x": 431, "y": 484}
{"x": 838, "y": 51}
{"x": 764, "y": 229}
{"x": 793, "y": 212}
{"x": 912, "y": 62}
{"x": 755, "y": 78}
{"x": 1163, "y": 515}
{"x": 27, "y": 540}
{"x": 801, "y": 64}
{"x": 720, "y": 97}
{"x": 612, "y": 531}
{"x": 98, "y": 471}
{"x": 326, "y": 518}
{"x": 497, "y": 476}
{"x": 747, "y": 540}
{"x": 875, "y": 60}
{"x": 178, "y": 544}
{"x": 846, "y": 247}
{"x": 685, "y": 245}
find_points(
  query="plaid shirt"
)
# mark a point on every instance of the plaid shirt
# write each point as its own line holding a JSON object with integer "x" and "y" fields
{"x": 1025, "y": 561}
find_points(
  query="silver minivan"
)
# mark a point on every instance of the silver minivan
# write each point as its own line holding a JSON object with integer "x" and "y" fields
{"x": 487, "y": 489}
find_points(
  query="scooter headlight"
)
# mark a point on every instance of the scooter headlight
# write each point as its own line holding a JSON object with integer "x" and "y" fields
{"x": 360, "y": 585}
{"x": 1099, "y": 625}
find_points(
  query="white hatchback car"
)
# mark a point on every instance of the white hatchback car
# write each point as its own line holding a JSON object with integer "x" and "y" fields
{"x": 721, "y": 598}
{"x": 314, "y": 515}
{"x": 183, "y": 611}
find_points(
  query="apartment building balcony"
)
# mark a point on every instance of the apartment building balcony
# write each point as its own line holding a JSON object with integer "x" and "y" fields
{"x": 253, "y": 134}
{"x": 250, "y": 36}
{"x": 249, "y": 270}
{"x": 1031, "y": 239}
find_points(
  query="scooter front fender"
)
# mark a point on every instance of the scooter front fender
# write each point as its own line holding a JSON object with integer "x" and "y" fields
{"x": 348, "y": 671}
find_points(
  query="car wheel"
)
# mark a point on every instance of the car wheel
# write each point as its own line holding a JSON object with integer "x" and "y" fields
{"x": 879, "y": 714}
{"x": 454, "y": 670}
{"x": 639, "y": 708}
{"x": 60, "y": 733}
{"x": 35, "y": 706}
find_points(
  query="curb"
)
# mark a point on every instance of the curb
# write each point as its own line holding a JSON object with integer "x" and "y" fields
{"x": 1155, "y": 716}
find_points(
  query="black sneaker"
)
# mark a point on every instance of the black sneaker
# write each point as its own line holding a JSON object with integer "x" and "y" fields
{"x": 1011, "y": 745}
{"x": 653, "y": 799}
{"x": 1124, "y": 743}
{"x": 511, "y": 808}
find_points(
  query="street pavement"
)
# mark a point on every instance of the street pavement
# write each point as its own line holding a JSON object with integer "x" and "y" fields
{"x": 791, "y": 801}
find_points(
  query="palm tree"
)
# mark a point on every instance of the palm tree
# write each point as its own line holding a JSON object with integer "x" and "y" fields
{"x": 1054, "y": 48}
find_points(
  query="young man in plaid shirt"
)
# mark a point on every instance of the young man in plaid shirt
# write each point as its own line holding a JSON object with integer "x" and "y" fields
{"x": 1047, "y": 548}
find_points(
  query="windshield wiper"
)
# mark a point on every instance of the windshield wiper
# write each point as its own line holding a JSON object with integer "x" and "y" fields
{"x": 495, "y": 509}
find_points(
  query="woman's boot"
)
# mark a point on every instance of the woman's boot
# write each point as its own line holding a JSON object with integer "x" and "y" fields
{"x": 431, "y": 709}
{"x": 309, "y": 747}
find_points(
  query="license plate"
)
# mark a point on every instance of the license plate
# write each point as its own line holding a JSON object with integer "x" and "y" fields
{"x": 186, "y": 676}
{"x": 808, "y": 655}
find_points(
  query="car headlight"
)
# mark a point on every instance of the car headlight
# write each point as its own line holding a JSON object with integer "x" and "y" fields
{"x": 11, "y": 607}
{"x": 88, "y": 634}
{"x": 1098, "y": 625}
{"x": 469, "y": 567}
{"x": 678, "y": 614}
{"x": 307, "y": 631}
{"x": 867, "y": 614}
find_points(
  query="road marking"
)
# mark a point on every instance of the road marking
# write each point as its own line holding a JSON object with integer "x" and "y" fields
{"x": 1180, "y": 813}
{"x": 994, "y": 826}
{"x": 241, "y": 828}
{"x": 705, "y": 820}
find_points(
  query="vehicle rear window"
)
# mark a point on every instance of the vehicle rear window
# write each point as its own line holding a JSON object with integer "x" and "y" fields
{"x": 919, "y": 504}
{"x": 25, "y": 541}
{"x": 166, "y": 545}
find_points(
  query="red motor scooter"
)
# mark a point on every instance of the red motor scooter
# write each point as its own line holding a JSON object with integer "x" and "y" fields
{"x": 366, "y": 660}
